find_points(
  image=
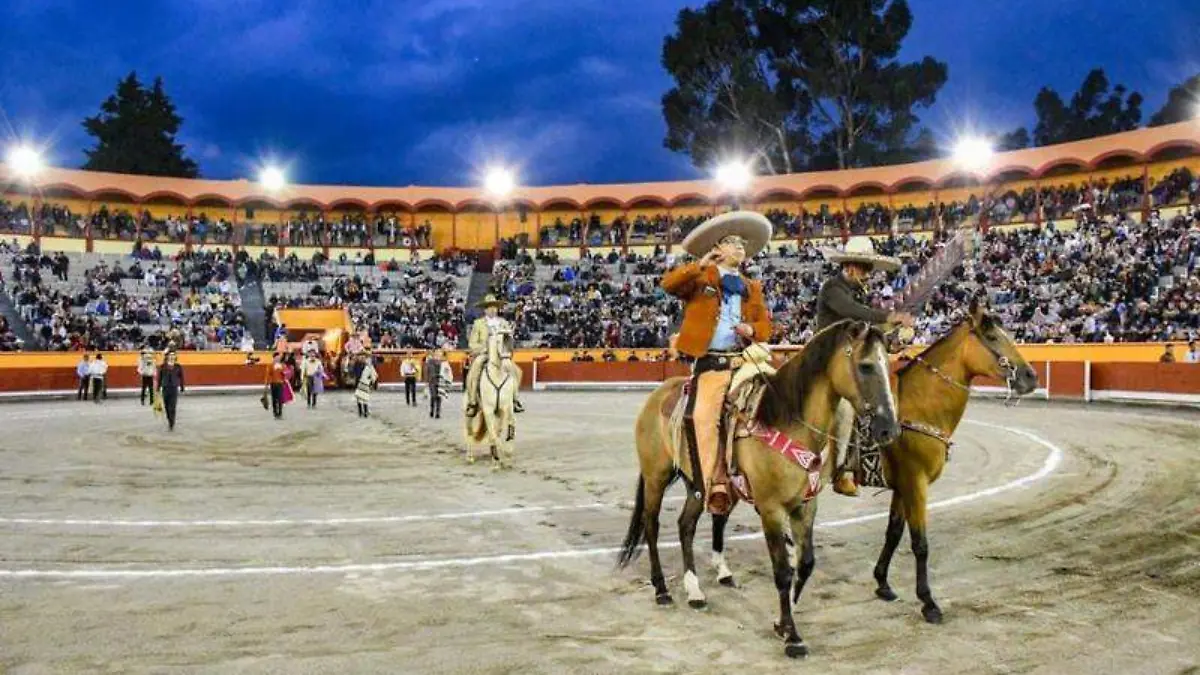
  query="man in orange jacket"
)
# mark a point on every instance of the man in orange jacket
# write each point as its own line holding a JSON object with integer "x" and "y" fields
{"x": 723, "y": 311}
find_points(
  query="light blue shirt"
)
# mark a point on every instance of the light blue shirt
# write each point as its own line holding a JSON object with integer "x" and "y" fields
{"x": 730, "y": 315}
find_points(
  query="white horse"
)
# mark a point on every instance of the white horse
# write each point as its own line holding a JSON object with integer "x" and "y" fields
{"x": 495, "y": 422}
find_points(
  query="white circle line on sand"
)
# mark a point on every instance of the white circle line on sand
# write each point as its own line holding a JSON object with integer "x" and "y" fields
{"x": 1049, "y": 465}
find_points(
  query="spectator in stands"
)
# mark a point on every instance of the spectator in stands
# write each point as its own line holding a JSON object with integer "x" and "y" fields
{"x": 1168, "y": 355}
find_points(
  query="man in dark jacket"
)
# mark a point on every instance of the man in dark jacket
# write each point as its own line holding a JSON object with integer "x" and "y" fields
{"x": 845, "y": 297}
{"x": 170, "y": 385}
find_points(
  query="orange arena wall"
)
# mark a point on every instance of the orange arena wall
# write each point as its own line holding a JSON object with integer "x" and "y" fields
{"x": 466, "y": 218}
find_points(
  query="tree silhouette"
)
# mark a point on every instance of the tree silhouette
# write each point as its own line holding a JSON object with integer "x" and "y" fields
{"x": 135, "y": 133}
{"x": 1183, "y": 103}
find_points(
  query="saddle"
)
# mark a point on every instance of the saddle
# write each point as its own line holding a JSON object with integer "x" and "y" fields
{"x": 741, "y": 400}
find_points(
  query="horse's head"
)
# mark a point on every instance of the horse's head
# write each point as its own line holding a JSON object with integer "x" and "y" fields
{"x": 859, "y": 373}
{"x": 990, "y": 351}
{"x": 500, "y": 343}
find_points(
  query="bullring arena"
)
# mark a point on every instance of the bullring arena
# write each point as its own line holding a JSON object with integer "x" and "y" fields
{"x": 1063, "y": 534}
{"x": 1063, "y": 540}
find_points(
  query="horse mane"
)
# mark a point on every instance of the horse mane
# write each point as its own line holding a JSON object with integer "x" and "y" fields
{"x": 926, "y": 353}
{"x": 789, "y": 386}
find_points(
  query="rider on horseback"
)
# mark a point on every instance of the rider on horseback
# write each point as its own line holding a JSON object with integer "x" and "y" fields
{"x": 722, "y": 310}
{"x": 481, "y": 330}
{"x": 845, "y": 297}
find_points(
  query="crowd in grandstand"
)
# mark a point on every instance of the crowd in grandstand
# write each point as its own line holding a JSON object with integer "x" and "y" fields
{"x": 1092, "y": 273}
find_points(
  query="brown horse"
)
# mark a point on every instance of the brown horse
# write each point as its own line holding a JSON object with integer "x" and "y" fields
{"x": 845, "y": 361}
{"x": 932, "y": 391}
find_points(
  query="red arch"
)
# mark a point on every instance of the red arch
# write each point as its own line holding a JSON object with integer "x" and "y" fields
{"x": 65, "y": 187}
{"x": 439, "y": 203}
{"x": 1057, "y": 162}
{"x": 250, "y": 199}
{"x": 474, "y": 203}
{"x": 677, "y": 199}
{"x": 608, "y": 201}
{"x": 159, "y": 194}
{"x": 211, "y": 196}
{"x": 809, "y": 191}
{"x": 785, "y": 193}
{"x": 348, "y": 201}
{"x": 391, "y": 203}
{"x": 655, "y": 200}
{"x": 94, "y": 195}
{"x": 1007, "y": 168}
{"x": 1114, "y": 153}
{"x": 291, "y": 204}
{"x": 557, "y": 201}
{"x": 926, "y": 182}
{"x": 865, "y": 184}
{"x": 1168, "y": 145}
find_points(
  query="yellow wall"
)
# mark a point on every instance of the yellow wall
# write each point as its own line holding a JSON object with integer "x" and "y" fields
{"x": 1160, "y": 170}
{"x": 476, "y": 230}
{"x": 113, "y": 246}
{"x": 813, "y": 206}
{"x": 163, "y": 211}
{"x": 442, "y": 223}
{"x": 915, "y": 199}
{"x": 69, "y": 245}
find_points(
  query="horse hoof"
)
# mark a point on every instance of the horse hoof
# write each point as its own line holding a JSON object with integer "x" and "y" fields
{"x": 697, "y": 604}
{"x": 727, "y": 582}
{"x": 886, "y": 594}
{"x": 664, "y": 599}
{"x": 932, "y": 614}
{"x": 795, "y": 650}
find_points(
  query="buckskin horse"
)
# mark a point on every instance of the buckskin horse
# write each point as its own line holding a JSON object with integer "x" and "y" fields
{"x": 495, "y": 422}
{"x": 846, "y": 360}
{"x": 932, "y": 392}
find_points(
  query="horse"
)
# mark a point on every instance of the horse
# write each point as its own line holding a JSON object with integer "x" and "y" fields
{"x": 932, "y": 390}
{"x": 495, "y": 422}
{"x": 845, "y": 361}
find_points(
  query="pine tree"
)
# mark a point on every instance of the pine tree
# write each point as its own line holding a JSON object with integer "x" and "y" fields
{"x": 135, "y": 133}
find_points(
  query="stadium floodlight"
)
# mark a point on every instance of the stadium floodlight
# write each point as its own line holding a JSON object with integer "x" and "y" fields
{"x": 973, "y": 153}
{"x": 499, "y": 182}
{"x": 735, "y": 176}
{"x": 272, "y": 178}
{"x": 25, "y": 162}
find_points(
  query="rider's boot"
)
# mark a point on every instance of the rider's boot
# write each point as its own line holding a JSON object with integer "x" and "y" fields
{"x": 845, "y": 485}
{"x": 517, "y": 407}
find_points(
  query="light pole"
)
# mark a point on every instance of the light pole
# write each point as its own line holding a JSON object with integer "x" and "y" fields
{"x": 499, "y": 182}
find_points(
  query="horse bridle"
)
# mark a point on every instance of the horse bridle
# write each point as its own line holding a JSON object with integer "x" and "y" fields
{"x": 1003, "y": 362}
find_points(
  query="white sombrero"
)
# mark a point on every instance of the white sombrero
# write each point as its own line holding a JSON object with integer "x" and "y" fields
{"x": 750, "y": 226}
{"x": 861, "y": 250}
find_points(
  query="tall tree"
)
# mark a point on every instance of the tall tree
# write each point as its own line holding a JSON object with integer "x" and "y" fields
{"x": 801, "y": 83}
{"x": 842, "y": 55}
{"x": 1094, "y": 110}
{"x": 1183, "y": 103}
{"x": 135, "y": 133}
{"x": 726, "y": 100}
{"x": 1014, "y": 140}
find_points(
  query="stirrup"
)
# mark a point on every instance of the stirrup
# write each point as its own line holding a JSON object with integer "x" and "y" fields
{"x": 845, "y": 485}
{"x": 472, "y": 409}
{"x": 517, "y": 407}
{"x": 719, "y": 501}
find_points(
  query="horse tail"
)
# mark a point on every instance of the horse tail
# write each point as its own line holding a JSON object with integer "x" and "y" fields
{"x": 637, "y": 527}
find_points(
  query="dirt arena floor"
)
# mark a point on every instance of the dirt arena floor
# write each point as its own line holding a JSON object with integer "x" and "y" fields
{"x": 1066, "y": 540}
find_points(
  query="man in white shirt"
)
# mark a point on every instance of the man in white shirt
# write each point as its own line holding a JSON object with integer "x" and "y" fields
{"x": 98, "y": 372}
{"x": 408, "y": 371}
{"x": 1193, "y": 352}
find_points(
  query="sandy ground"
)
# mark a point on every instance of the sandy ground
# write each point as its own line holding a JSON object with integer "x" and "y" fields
{"x": 239, "y": 544}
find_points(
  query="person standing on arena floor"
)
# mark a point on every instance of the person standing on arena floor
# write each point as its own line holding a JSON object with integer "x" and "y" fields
{"x": 313, "y": 373}
{"x": 170, "y": 386}
{"x": 408, "y": 371}
{"x": 439, "y": 377}
{"x": 98, "y": 374}
{"x": 367, "y": 378}
{"x": 83, "y": 371}
{"x": 275, "y": 383}
{"x": 145, "y": 369}
{"x": 841, "y": 297}
{"x": 722, "y": 311}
